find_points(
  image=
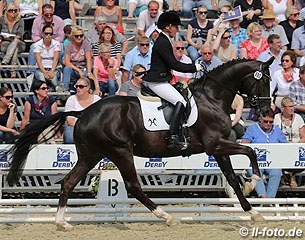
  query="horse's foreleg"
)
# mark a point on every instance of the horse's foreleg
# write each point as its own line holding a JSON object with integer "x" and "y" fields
{"x": 125, "y": 164}
{"x": 226, "y": 167}
{"x": 226, "y": 148}
{"x": 68, "y": 184}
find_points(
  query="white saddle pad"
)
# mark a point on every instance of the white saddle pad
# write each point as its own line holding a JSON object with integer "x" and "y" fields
{"x": 154, "y": 119}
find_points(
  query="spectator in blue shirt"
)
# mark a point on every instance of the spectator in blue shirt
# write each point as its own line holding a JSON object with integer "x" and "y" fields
{"x": 238, "y": 34}
{"x": 266, "y": 132}
{"x": 208, "y": 59}
{"x": 141, "y": 54}
{"x": 298, "y": 41}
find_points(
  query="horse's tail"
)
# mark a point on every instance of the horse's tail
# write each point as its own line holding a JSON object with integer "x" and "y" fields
{"x": 28, "y": 139}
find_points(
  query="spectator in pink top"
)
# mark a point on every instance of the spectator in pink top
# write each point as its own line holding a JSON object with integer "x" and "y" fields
{"x": 256, "y": 44}
{"x": 104, "y": 70}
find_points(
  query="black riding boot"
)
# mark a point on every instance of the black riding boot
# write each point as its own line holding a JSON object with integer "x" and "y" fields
{"x": 175, "y": 124}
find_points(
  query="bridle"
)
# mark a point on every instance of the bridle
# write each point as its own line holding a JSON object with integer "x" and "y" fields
{"x": 253, "y": 100}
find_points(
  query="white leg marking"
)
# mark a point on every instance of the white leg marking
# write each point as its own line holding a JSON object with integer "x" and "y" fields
{"x": 160, "y": 213}
{"x": 256, "y": 216}
{"x": 60, "y": 220}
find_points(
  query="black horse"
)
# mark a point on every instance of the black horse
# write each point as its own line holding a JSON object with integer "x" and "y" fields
{"x": 113, "y": 128}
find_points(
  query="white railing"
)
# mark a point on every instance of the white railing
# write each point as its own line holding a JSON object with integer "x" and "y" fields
{"x": 185, "y": 210}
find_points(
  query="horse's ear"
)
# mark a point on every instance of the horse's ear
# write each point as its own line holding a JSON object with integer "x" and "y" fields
{"x": 269, "y": 62}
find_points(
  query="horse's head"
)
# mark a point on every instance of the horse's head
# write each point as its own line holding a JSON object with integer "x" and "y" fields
{"x": 247, "y": 77}
{"x": 256, "y": 84}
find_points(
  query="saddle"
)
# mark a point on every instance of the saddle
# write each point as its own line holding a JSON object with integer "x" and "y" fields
{"x": 166, "y": 106}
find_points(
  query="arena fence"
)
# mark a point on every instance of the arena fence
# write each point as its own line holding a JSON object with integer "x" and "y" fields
{"x": 112, "y": 203}
{"x": 129, "y": 210}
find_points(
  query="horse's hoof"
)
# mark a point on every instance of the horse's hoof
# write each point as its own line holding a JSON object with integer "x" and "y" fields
{"x": 64, "y": 226}
{"x": 247, "y": 189}
{"x": 171, "y": 221}
{"x": 257, "y": 218}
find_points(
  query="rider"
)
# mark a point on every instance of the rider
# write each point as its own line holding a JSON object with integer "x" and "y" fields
{"x": 159, "y": 75}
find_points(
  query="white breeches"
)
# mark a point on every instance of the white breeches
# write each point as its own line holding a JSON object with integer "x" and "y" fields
{"x": 166, "y": 91}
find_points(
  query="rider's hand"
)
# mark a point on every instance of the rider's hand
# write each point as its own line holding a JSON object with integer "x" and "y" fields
{"x": 199, "y": 67}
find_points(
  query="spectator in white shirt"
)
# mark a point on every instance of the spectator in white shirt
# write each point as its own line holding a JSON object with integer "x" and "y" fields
{"x": 47, "y": 51}
{"x": 148, "y": 17}
{"x": 179, "y": 52}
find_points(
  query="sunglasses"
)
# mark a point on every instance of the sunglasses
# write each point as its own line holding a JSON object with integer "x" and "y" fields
{"x": 180, "y": 48}
{"x": 207, "y": 53}
{"x": 267, "y": 121}
{"x": 44, "y": 88}
{"x": 295, "y": 14}
{"x": 48, "y": 33}
{"x": 203, "y": 12}
{"x": 144, "y": 44}
{"x": 80, "y": 86}
{"x": 79, "y": 36}
{"x": 226, "y": 37}
{"x": 137, "y": 74}
{"x": 290, "y": 106}
{"x": 12, "y": 10}
{"x": 8, "y": 97}
{"x": 285, "y": 60}
{"x": 48, "y": 14}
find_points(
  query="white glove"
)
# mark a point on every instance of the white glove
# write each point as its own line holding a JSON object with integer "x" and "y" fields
{"x": 199, "y": 67}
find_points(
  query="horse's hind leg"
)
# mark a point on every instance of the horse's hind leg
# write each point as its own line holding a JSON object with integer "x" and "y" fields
{"x": 123, "y": 159}
{"x": 68, "y": 184}
{"x": 226, "y": 167}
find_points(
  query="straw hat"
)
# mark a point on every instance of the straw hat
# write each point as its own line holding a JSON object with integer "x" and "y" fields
{"x": 268, "y": 14}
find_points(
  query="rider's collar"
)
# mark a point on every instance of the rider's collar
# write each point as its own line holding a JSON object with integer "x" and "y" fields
{"x": 170, "y": 40}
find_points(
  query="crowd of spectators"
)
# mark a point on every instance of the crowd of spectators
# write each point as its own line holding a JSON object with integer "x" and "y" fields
{"x": 100, "y": 61}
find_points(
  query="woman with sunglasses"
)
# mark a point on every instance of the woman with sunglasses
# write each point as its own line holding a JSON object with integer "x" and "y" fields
{"x": 265, "y": 132}
{"x": 291, "y": 23}
{"x": 222, "y": 46}
{"x": 8, "y": 113}
{"x": 13, "y": 29}
{"x": 47, "y": 51}
{"x": 39, "y": 105}
{"x": 104, "y": 70}
{"x": 197, "y": 32}
{"x": 77, "y": 58}
{"x": 131, "y": 88}
{"x": 284, "y": 77}
{"x": 83, "y": 98}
